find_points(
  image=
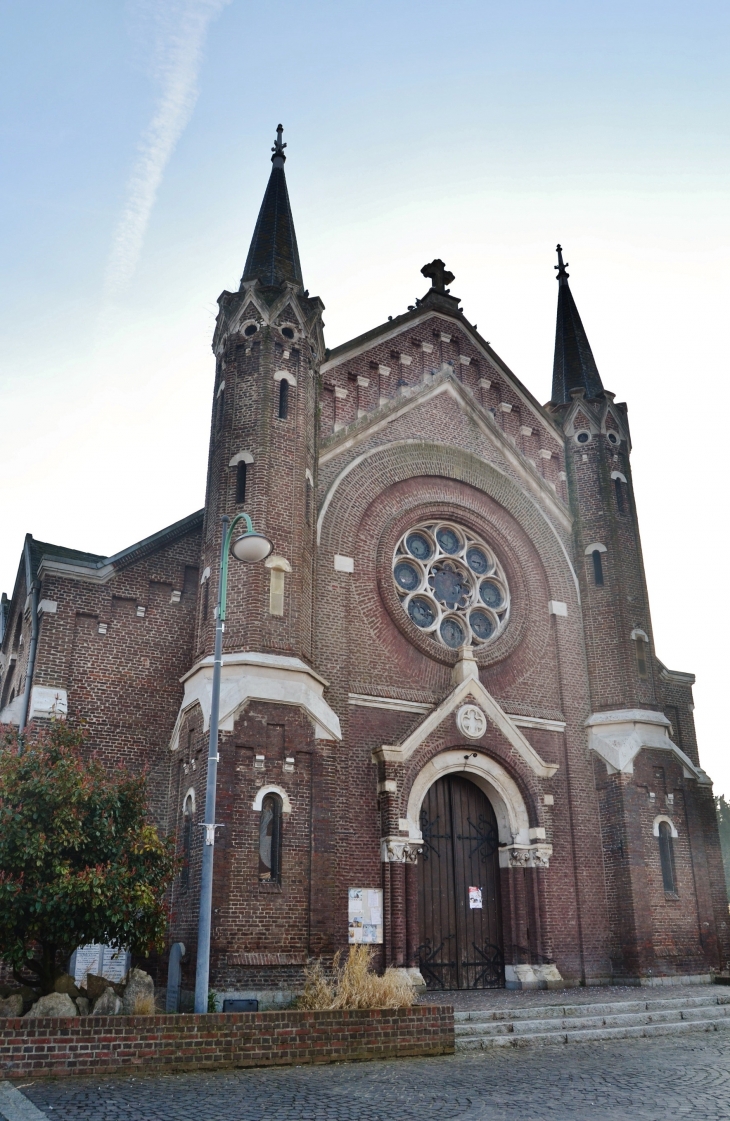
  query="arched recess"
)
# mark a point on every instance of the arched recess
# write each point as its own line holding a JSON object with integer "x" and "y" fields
{"x": 264, "y": 790}
{"x": 672, "y": 827}
{"x": 513, "y": 822}
{"x": 350, "y": 492}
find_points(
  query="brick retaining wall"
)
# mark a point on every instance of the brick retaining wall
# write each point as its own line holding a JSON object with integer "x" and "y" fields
{"x": 109, "y": 1044}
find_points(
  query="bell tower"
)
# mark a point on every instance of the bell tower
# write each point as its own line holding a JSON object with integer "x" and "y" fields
{"x": 622, "y": 668}
{"x": 268, "y": 344}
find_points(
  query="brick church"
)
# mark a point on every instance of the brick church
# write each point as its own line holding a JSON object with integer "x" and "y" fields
{"x": 445, "y": 730}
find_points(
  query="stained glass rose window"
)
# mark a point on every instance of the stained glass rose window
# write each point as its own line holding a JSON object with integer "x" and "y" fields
{"x": 451, "y": 584}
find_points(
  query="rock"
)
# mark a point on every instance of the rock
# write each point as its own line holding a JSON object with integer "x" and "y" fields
{"x": 83, "y": 1005}
{"x": 11, "y": 1005}
{"x": 108, "y": 1004}
{"x": 139, "y": 995}
{"x": 66, "y": 984}
{"x": 55, "y": 1004}
{"x": 95, "y": 986}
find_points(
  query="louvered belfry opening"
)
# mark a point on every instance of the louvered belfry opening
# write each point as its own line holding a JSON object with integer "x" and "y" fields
{"x": 461, "y": 945}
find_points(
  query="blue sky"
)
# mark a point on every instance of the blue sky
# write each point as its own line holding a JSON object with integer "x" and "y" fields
{"x": 135, "y": 143}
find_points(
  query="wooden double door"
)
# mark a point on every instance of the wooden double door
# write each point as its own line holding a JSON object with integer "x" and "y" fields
{"x": 459, "y": 911}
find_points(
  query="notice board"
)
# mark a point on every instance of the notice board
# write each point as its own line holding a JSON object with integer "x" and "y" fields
{"x": 365, "y": 915}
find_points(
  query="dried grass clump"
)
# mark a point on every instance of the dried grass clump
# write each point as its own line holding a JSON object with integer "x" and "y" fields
{"x": 354, "y": 985}
{"x": 144, "y": 1005}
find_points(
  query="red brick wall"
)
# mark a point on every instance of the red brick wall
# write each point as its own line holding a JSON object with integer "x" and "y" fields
{"x": 109, "y": 1044}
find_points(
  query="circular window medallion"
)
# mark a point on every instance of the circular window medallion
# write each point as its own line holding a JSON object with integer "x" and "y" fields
{"x": 450, "y": 584}
{"x": 471, "y": 721}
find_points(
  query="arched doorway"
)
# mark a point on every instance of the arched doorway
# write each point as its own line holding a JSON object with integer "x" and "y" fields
{"x": 460, "y": 921}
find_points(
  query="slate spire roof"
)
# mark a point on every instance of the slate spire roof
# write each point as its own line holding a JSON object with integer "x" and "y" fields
{"x": 574, "y": 366}
{"x": 273, "y": 256}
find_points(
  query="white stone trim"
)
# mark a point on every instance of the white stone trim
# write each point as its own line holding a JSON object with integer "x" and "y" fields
{"x": 392, "y": 704}
{"x": 638, "y": 633}
{"x": 284, "y": 375}
{"x": 618, "y": 475}
{"x": 11, "y": 713}
{"x": 47, "y": 701}
{"x": 513, "y": 824}
{"x": 240, "y": 457}
{"x": 414, "y": 397}
{"x": 617, "y": 737}
{"x": 246, "y": 677}
{"x": 48, "y": 607}
{"x": 469, "y": 687}
{"x": 657, "y": 822}
{"x": 264, "y": 790}
{"x": 221, "y": 387}
{"x": 537, "y": 722}
{"x": 344, "y": 564}
{"x": 206, "y": 575}
{"x": 596, "y": 547}
{"x": 281, "y": 564}
{"x": 557, "y": 607}
{"x": 189, "y": 793}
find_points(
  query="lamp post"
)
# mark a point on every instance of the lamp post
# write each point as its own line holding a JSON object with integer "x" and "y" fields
{"x": 250, "y": 547}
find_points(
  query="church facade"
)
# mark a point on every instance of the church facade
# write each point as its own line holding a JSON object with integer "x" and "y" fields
{"x": 445, "y": 730}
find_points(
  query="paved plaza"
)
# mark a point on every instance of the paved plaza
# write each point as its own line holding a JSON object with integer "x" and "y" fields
{"x": 632, "y": 1080}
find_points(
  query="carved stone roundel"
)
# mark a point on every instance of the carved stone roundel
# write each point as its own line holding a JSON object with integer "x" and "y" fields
{"x": 471, "y": 721}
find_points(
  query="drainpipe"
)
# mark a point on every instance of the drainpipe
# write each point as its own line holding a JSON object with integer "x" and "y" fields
{"x": 33, "y": 585}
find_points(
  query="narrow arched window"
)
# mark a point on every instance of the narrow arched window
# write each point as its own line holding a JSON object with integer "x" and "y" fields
{"x": 620, "y": 501}
{"x": 205, "y": 600}
{"x": 283, "y": 399}
{"x": 241, "y": 481}
{"x": 641, "y": 657}
{"x": 187, "y": 843}
{"x": 666, "y": 855}
{"x": 597, "y": 567}
{"x": 270, "y": 840}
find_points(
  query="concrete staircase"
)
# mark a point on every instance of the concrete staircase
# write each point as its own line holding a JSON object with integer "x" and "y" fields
{"x": 583, "y": 1023}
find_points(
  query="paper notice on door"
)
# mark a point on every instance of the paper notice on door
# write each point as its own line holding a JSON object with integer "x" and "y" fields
{"x": 475, "y": 898}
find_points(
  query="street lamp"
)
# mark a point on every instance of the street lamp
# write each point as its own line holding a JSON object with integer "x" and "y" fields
{"x": 250, "y": 547}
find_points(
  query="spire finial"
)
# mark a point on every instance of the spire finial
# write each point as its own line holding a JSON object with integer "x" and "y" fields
{"x": 438, "y": 274}
{"x": 562, "y": 274}
{"x": 278, "y": 148}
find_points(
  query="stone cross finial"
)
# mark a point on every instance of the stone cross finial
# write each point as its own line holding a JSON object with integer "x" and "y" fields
{"x": 278, "y": 148}
{"x": 438, "y": 274}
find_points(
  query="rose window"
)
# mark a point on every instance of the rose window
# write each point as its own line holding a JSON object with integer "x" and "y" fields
{"x": 451, "y": 584}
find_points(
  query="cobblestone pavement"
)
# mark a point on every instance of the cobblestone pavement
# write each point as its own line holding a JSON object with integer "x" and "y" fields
{"x": 637, "y": 1080}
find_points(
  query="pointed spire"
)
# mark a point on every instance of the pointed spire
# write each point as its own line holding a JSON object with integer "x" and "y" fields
{"x": 574, "y": 366}
{"x": 273, "y": 256}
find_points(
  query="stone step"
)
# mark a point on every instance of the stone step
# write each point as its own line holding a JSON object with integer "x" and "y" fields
{"x": 589, "y": 1023}
{"x": 590, "y": 1035}
{"x": 606, "y": 1008}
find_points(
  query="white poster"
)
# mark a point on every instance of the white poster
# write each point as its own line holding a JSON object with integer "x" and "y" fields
{"x": 365, "y": 916}
{"x": 475, "y": 898}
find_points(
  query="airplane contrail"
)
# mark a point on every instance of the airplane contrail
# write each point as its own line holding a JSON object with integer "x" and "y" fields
{"x": 176, "y": 70}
